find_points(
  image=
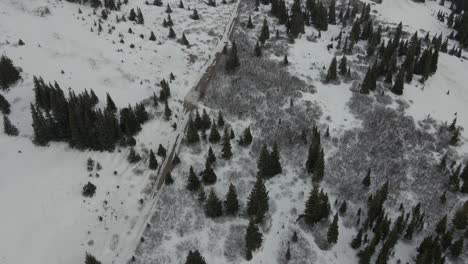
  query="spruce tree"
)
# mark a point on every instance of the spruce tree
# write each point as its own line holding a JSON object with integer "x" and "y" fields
{"x": 232, "y": 60}
{"x": 133, "y": 157}
{"x": 265, "y": 32}
{"x": 161, "y": 151}
{"x": 167, "y": 111}
{"x": 153, "y": 162}
{"x": 220, "y": 120}
{"x": 264, "y": 164}
{"x": 356, "y": 243}
{"x": 460, "y": 219}
{"x": 132, "y": 15}
{"x": 195, "y": 15}
{"x": 205, "y": 120}
{"x": 90, "y": 259}
{"x": 331, "y": 74}
{"x": 181, "y": 4}
{"x": 193, "y": 183}
{"x": 257, "y": 205}
{"x": 246, "y": 138}
{"x": 110, "y": 106}
{"x": 140, "y": 19}
{"x": 8, "y": 72}
{"x": 231, "y": 204}
{"x": 214, "y": 134}
{"x": 253, "y": 239}
{"x": 317, "y": 207}
{"x": 184, "y": 40}
{"x": 258, "y": 50}
{"x": 367, "y": 180}
{"x": 319, "y": 169}
{"x": 208, "y": 175}
{"x": 226, "y": 150}
{"x": 168, "y": 180}
{"x": 172, "y": 34}
{"x": 457, "y": 247}
{"x": 213, "y": 206}
{"x": 343, "y": 68}
{"x": 211, "y": 158}
{"x": 332, "y": 233}
{"x": 168, "y": 9}
{"x": 192, "y": 133}
{"x": 4, "y": 105}
{"x": 275, "y": 160}
{"x": 249, "y": 23}
{"x": 399, "y": 83}
{"x": 285, "y": 59}
{"x": 194, "y": 257}
{"x": 8, "y": 127}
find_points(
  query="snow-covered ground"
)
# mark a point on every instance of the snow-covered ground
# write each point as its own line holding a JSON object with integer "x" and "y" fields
{"x": 45, "y": 217}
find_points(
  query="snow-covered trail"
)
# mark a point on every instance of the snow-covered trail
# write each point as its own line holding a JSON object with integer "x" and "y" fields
{"x": 127, "y": 249}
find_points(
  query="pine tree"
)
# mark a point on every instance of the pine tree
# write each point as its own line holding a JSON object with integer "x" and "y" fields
{"x": 317, "y": 207}
{"x": 90, "y": 259}
{"x": 213, "y": 206}
{"x": 192, "y": 133}
{"x": 194, "y": 257}
{"x": 367, "y": 180}
{"x": 457, "y": 247}
{"x": 168, "y": 9}
{"x": 287, "y": 256}
{"x": 184, "y": 40}
{"x": 152, "y": 36}
{"x": 319, "y": 169}
{"x": 220, "y": 120}
{"x": 193, "y": 183}
{"x": 231, "y": 204}
{"x": 253, "y": 239}
{"x": 214, "y": 134}
{"x": 258, "y": 50}
{"x": 460, "y": 220}
{"x": 314, "y": 151}
{"x": 275, "y": 161}
{"x": 161, "y": 151}
{"x": 172, "y": 34}
{"x": 332, "y": 234}
{"x": 294, "y": 238}
{"x": 168, "y": 180}
{"x": 399, "y": 83}
{"x": 140, "y": 20}
{"x": 208, "y": 175}
{"x": 226, "y": 150}
{"x": 356, "y": 243}
{"x": 132, "y": 16}
{"x": 181, "y": 4}
{"x": 167, "y": 111}
{"x": 246, "y": 138}
{"x": 195, "y": 15}
{"x": 331, "y": 74}
{"x": 285, "y": 60}
{"x": 153, "y": 162}
{"x": 343, "y": 68}
{"x": 4, "y": 105}
{"x": 133, "y": 157}
{"x": 265, "y": 32}
{"x": 257, "y": 205}
{"x": 232, "y": 60}
{"x": 211, "y": 158}
{"x": 8, "y": 127}
{"x": 264, "y": 164}
{"x": 110, "y": 106}
{"x": 249, "y": 23}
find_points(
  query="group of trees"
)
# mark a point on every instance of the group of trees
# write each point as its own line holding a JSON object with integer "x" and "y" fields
{"x": 79, "y": 122}
{"x": 268, "y": 163}
{"x": 8, "y": 73}
{"x": 458, "y": 20}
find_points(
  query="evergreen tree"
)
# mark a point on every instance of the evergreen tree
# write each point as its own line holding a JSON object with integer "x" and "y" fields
{"x": 201, "y": 195}
{"x": 153, "y": 162}
{"x": 457, "y": 247}
{"x": 194, "y": 257}
{"x": 367, "y": 180}
{"x": 275, "y": 161}
{"x": 168, "y": 9}
{"x": 133, "y": 157}
{"x": 257, "y": 205}
{"x": 232, "y": 60}
{"x": 253, "y": 239}
{"x": 211, "y": 158}
{"x": 319, "y": 169}
{"x": 399, "y": 83}
{"x": 285, "y": 60}
{"x": 231, "y": 204}
{"x": 168, "y": 180}
{"x": 317, "y": 207}
{"x": 357, "y": 241}
{"x": 8, "y": 73}
{"x": 193, "y": 183}
{"x": 246, "y": 138}
{"x": 167, "y": 111}
{"x": 208, "y": 175}
{"x": 332, "y": 233}
{"x": 220, "y": 120}
{"x": 195, "y": 15}
{"x": 264, "y": 164}
{"x": 331, "y": 74}
{"x": 8, "y": 127}
{"x": 287, "y": 256}
{"x": 140, "y": 19}
{"x": 192, "y": 133}
{"x": 4, "y": 105}
{"x": 213, "y": 206}
{"x": 249, "y": 23}
{"x": 132, "y": 16}
{"x": 314, "y": 151}
{"x": 90, "y": 259}
{"x": 214, "y": 134}
{"x": 110, "y": 106}
{"x": 460, "y": 220}
{"x": 172, "y": 34}
{"x": 258, "y": 50}
{"x": 226, "y": 150}
{"x": 265, "y": 32}
{"x": 181, "y": 4}
{"x": 161, "y": 151}
{"x": 332, "y": 13}
{"x": 184, "y": 40}
{"x": 343, "y": 68}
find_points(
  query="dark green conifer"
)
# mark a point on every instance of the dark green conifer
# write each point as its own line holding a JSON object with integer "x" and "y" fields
{"x": 193, "y": 183}
{"x": 231, "y": 204}
{"x": 213, "y": 206}
{"x": 153, "y": 162}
